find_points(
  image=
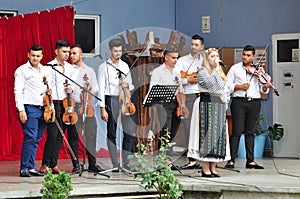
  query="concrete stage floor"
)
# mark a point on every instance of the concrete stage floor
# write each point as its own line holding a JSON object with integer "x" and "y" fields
{"x": 279, "y": 179}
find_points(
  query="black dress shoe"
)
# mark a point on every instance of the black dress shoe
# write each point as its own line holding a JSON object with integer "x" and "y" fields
{"x": 229, "y": 165}
{"x": 95, "y": 168}
{"x": 206, "y": 175}
{"x": 24, "y": 173}
{"x": 255, "y": 166}
{"x": 35, "y": 173}
{"x": 190, "y": 165}
{"x": 215, "y": 175}
{"x": 76, "y": 169}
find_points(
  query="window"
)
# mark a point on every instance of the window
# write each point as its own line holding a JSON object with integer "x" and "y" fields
{"x": 8, "y": 13}
{"x": 87, "y": 33}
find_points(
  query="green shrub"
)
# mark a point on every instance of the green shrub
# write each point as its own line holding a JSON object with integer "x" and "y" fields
{"x": 56, "y": 187}
{"x": 157, "y": 174}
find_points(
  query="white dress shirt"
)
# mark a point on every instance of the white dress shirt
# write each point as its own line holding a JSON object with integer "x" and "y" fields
{"x": 109, "y": 82}
{"x": 162, "y": 76}
{"x": 78, "y": 77}
{"x": 239, "y": 75}
{"x": 29, "y": 87}
{"x": 183, "y": 64}
{"x": 58, "y": 80}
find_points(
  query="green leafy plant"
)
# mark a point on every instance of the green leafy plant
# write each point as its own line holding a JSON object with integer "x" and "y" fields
{"x": 156, "y": 173}
{"x": 274, "y": 132}
{"x": 258, "y": 129}
{"x": 56, "y": 187}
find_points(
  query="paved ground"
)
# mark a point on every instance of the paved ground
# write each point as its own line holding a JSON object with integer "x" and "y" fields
{"x": 279, "y": 176}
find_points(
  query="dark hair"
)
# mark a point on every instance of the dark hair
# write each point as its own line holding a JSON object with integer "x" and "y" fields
{"x": 170, "y": 49}
{"x": 249, "y": 48}
{"x": 61, "y": 43}
{"x": 76, "y": 46}
{"x": 198, "y": 37}
{"x": 35, "y": 48}
{"x": 114, "y": 43}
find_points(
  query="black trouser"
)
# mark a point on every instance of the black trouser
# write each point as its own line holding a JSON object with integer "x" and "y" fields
{"x": 54, "y": 139}
{"x": 244, "y": 117}
{"x": 128, "y": 127}
{"x": 168, "y": 119}
{"x": 89, "y": 134}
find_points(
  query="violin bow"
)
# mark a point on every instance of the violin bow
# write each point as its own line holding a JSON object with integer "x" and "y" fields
{"x": 259, "y": 61}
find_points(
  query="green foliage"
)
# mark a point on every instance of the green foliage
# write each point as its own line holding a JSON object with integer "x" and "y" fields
{"x": 276, "y": 131}
{"x": 56, "y": 187}
{"x": 157, "y": 174}
{"x": 258, "y": 129}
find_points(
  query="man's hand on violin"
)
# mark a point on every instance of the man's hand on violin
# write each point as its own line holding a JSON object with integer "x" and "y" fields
{"x": 104, "y": 114}
{"x": 68, "y": 90}
{"x": 268, "y": 85}
{"x": 23, "y": 116}
{"x": 192, "y": 80}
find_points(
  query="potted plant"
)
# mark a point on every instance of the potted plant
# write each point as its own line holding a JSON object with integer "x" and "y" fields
{"x": 275, "y": 133}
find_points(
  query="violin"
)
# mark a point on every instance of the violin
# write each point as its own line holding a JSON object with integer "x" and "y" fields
{"x": 127, "y": 107}
{"x": 262, "y": 76}
{"x": 49, "y": 112}
{"x": 185, "y": 74}
{"x": 182, "y": 111}
{"x": 49, "y": 116}
{"x": 86, "y": 100}
{"x": 70, "y": 116}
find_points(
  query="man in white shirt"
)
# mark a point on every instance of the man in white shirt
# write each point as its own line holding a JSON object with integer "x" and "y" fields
{"x": 114, "y": 76}
{"x": 166, "y": 75}
{"x": 59, "y": 93}
{"x": 245, "y": 90}
{"x": 85, "y": 76}
{"x": 29, "y": 102}
{"x": 188, "y": 67}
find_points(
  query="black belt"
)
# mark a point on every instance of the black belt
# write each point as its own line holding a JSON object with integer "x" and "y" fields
{"x": 36, "y": 106}
{"x": 57, "y": 101}
{"x": 249, "y": 99}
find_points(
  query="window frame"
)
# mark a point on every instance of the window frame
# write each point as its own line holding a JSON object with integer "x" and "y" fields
{"x": 13, "y": 12}
{"x": 97, "y": 32}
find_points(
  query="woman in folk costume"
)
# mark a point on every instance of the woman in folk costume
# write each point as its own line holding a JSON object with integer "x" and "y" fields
{"x": 209, "y": 141}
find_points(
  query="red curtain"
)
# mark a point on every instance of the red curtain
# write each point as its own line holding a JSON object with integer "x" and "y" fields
{"x": 17, "y": 34}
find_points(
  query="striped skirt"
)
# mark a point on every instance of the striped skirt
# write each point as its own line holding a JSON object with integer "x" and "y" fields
{"x": 212, "y": 127}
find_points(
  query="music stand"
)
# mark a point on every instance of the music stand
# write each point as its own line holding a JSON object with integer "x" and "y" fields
{"x": 160, "y": 94}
